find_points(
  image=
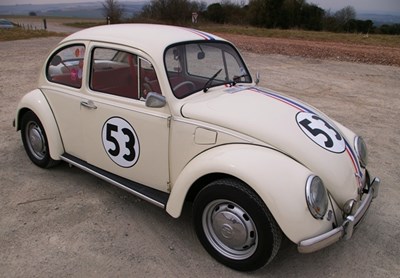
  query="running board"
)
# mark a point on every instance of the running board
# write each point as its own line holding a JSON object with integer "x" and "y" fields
{"x": 146, "y": 193}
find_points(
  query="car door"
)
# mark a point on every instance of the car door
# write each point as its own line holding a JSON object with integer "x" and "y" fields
{"x": 63, "y": 90}
{"x": 121, "y": 134}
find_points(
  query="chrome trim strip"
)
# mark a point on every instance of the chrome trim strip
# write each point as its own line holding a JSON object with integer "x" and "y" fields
{"x": 107, "y": 179}
{"x": 345, "y": 231}
{"x": 220, "y": 129}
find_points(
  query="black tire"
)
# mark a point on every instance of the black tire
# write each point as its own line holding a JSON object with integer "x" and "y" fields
{"x": 35, "y": 141}
{"x": 235, "y": 226}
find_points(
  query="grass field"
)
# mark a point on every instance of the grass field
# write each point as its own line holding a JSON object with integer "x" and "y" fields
{"x": 371, "y": 39}
{"x": 21, "y": 34}
{"x": 348, "y": 38}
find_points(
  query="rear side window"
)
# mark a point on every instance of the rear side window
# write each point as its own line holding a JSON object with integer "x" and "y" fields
{"x": 65, "y": 66}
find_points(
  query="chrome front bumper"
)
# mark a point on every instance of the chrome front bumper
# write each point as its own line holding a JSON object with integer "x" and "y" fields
{"x": 345, "y": 231}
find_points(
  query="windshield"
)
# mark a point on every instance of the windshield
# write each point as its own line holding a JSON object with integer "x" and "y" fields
{"x": 198, "y": 66}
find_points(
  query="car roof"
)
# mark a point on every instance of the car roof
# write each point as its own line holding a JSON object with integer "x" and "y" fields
{"x": 150, "y": 38}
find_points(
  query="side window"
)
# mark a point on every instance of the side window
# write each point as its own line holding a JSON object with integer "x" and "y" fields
{"x": 173, "y": 59}
{"x": 114, "y": 72}
{"x": 65, "y": 66}
{"x": 148, "y": 78}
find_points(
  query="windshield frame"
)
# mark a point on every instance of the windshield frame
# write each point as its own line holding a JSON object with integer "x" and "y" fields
{"x": 191, "y": 83}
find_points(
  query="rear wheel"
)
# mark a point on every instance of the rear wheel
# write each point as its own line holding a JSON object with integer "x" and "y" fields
{"x": 235, "y": 226}
{"x": 35, "y": 140}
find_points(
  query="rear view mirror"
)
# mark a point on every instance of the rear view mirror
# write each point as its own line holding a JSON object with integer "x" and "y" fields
{"x": 200, "y": 55}
{"x": 56, "y": 61}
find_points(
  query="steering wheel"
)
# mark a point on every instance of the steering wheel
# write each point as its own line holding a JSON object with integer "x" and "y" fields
{"x": 184, "y": 83}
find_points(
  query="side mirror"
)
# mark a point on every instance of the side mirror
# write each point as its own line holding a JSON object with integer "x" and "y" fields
{"x": 155, "y": 100}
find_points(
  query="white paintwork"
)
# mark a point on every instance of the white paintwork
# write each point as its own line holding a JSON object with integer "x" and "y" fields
{"x": 243, "y": 131}
{"x": 36, "y": 102}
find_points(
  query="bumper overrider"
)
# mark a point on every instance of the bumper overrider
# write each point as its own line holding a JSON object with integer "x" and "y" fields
{"x": 345, "y": 231}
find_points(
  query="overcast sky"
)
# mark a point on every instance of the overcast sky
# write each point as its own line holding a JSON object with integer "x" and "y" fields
{"x": 360, "y": 5}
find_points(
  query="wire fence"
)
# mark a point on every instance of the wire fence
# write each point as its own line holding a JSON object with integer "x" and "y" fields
{"x": 33, "y": 25}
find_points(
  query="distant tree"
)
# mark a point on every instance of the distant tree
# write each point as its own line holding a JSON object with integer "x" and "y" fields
{"x": 113, "y": 11}
{"x": 256, "y": 13}
{"x": 291, "y": 13}
{"x": 368, "y": 26}
{"x": 344, "y": 16}
{"x": 312, "y": 17}
{"x": 215, "y": 13}
{"x": 234, "y": 13}
{"x": 172, "y": 11}
{"x": 273, "y": 12}
{"x": 329, "y": 22}
{"x": 285, "y": 14}
{"x": 300, "y": 14}
{"x": 360, "y": 26}
{"x": 32, "y": 14}
{"x": 266, "y": 13}
{"x": 393, "y": 29}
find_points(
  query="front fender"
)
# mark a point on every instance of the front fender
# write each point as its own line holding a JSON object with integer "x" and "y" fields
{"x": 276, "y": 178}
{"x": 37, "y": 103}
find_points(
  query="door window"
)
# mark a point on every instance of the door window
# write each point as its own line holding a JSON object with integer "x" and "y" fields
{"x": 123, "y": 74}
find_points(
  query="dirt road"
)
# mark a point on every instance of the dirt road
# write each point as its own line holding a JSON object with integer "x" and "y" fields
{"x": 65, "y": 223}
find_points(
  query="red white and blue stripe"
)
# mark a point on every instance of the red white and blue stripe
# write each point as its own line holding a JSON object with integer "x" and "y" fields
{"x": 304, "y": 108}
{"x": 204, "y": 35}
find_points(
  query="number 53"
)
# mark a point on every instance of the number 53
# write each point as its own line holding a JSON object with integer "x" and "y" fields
{"x": 120, "y": 142}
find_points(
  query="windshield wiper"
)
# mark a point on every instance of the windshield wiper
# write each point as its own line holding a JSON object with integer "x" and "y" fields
{"x": 236, "y": 79}
{"x": 205, "y": 88}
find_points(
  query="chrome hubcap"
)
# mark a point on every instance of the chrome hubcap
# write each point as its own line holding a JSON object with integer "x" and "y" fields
{"x": 230, "y": 229}
{"x": 35, "y": 140}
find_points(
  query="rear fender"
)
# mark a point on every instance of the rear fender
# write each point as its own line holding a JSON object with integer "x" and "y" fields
{"x": 278, "y": 180}
{"x": 37, "y": 103}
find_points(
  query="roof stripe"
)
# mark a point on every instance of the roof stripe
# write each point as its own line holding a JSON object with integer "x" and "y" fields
{"x": 204, "y": 35}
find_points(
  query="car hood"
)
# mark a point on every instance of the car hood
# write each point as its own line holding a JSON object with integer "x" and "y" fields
{"x": 290, "y": 126}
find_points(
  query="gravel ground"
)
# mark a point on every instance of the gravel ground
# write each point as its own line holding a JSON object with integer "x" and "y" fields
{"x": 320, "y": 50}
{"x": 66, "y": 223}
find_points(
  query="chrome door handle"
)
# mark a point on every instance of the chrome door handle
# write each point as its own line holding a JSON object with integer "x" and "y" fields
{"x": 88, "y": 104}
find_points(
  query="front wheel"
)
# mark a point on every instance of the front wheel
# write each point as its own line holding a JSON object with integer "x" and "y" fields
{"x": 235, "y": 226}
{"x": 35, "y": 140}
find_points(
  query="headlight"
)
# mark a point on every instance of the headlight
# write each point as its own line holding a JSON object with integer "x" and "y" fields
{"x": 361, "y": 150}
{"x": 316, "y": 196}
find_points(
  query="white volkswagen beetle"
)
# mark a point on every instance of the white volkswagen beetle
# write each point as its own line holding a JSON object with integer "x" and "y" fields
{"x": 172, "y": 114}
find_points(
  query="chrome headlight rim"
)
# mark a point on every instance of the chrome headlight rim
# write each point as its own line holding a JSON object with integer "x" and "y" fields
{"x": 316, "y": 197}
{"x": 361, "y": 150}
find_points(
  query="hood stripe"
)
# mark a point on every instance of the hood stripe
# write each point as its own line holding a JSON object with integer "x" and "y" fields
{"x": 283, "y": 99}
{"x": 303, "y": 108}
{"x": 354, "y": 159}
